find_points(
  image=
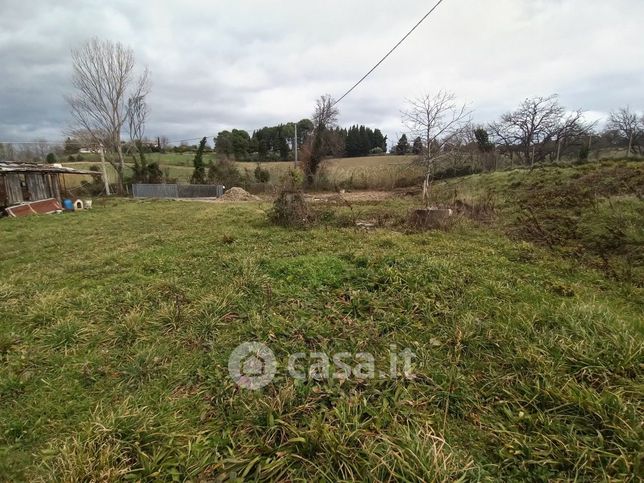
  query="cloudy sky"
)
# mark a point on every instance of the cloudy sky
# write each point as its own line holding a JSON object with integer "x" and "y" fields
{"x": 248, "y": 63}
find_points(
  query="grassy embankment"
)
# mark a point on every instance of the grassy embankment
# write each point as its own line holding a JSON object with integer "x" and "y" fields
{"x": 116, "y": 326}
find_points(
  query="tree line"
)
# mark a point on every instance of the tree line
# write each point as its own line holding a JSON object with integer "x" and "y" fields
{"x": 539, "y": 129}
{"x": 110, "y": 100}
{"x": 276, "y": 143}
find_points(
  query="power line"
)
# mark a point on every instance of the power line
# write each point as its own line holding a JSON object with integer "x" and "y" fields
{"x": 336, "y": 102}
{"x": 390, "y": 52}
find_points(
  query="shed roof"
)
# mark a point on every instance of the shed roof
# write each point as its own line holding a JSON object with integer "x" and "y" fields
{"x": 15, "y": 167}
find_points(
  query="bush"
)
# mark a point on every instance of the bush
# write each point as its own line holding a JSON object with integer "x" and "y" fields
{"x": 224, "y": 172}
{"x": 289, "y": 209}
{"x": 292, "y": 180}
{"x": 262, "y": 175}
{"x": 51, "y": 158}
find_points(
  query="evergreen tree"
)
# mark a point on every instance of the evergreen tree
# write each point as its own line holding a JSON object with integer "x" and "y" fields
{"x": 240, "y": 144}
{"x": 72, "y": 146}
{"x": 483, "y": 140}
{"x": 417, "y": 147}
{"x": 282, "y": 145}
{"x": 352, "y": 142}
{"x": 304, "y": 128}
{"x": 378, "y": 141}
{"x": 199, "y": 173}
{"x": 224, "y": 143}
{"x": 403, "y": 145}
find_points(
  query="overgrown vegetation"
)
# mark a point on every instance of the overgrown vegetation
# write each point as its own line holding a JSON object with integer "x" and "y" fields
{"x": 593, "y": 212}
{"x": 290, "y": 208}
{"x": 224, "y": 172}
{"x": 529, "y": 364}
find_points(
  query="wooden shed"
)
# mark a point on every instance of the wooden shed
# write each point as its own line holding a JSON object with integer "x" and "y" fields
{"x": 24, "y": 182}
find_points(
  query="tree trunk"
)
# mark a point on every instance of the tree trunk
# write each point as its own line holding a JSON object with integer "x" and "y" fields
{"x": 121, "y": 170}
{"x": 105, "y": 180}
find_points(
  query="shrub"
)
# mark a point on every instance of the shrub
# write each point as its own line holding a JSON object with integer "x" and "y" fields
{"x": 51, "y": 158}
{"x": 292, "y": 180}
{"x": 289, "y": 209}
{"x": 224, "y": 172}
{"x": 262, "y": 175}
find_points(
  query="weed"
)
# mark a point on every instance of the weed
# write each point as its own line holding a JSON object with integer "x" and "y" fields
{"x": 528, "y": 363}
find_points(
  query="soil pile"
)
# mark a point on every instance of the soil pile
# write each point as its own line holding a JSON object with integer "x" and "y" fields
{"x": 238, "y": 194}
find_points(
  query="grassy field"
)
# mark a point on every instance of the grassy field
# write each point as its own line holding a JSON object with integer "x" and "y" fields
{"x": 116, "y": 326}
{"x": 372, "y": 172}
{"x": 382, "y": 172}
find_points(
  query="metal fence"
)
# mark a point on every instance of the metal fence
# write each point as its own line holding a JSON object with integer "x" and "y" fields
{"x": 200, "y": 190}
{"x": 140, "y": 190}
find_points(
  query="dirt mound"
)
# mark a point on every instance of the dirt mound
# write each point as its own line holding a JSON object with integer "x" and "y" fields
{"x": 238, "y": 194}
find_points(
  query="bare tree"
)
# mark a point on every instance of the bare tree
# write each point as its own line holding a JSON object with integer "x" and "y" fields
{"x": 627, "y": 125}
{"x": 325, "y": 117}
{"x": 540, "y": 126}
{"x": 325, "y": 114}
{"x": 40, "y": 149}
{"x": 104, "y": 80}
{"x": 7, "y": 152}
{"x": 137, "y": 113}
{"x": 441, "y": 123}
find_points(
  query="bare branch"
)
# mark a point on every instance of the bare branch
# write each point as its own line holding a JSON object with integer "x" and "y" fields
{"x": 104, "y": 87}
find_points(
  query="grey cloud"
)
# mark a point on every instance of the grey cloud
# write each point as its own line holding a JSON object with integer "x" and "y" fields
{"x": 226, "y": 64}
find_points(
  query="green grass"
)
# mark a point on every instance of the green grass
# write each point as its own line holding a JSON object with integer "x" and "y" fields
{"x": 592, "y": 212}
{"x": 116, "y": 326}
{"x": 373, "y": 172}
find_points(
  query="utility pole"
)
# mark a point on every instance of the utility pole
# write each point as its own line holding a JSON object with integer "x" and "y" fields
{"x": 105, "y": 182}
{"x": 295, "y": 144}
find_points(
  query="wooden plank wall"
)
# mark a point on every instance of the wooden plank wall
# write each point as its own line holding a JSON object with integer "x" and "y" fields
{"x": 37, "y": 187}
{"x": 13, "y": 188}
{"x": 54, "y": 180}
{"x": 40, "y": 186}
